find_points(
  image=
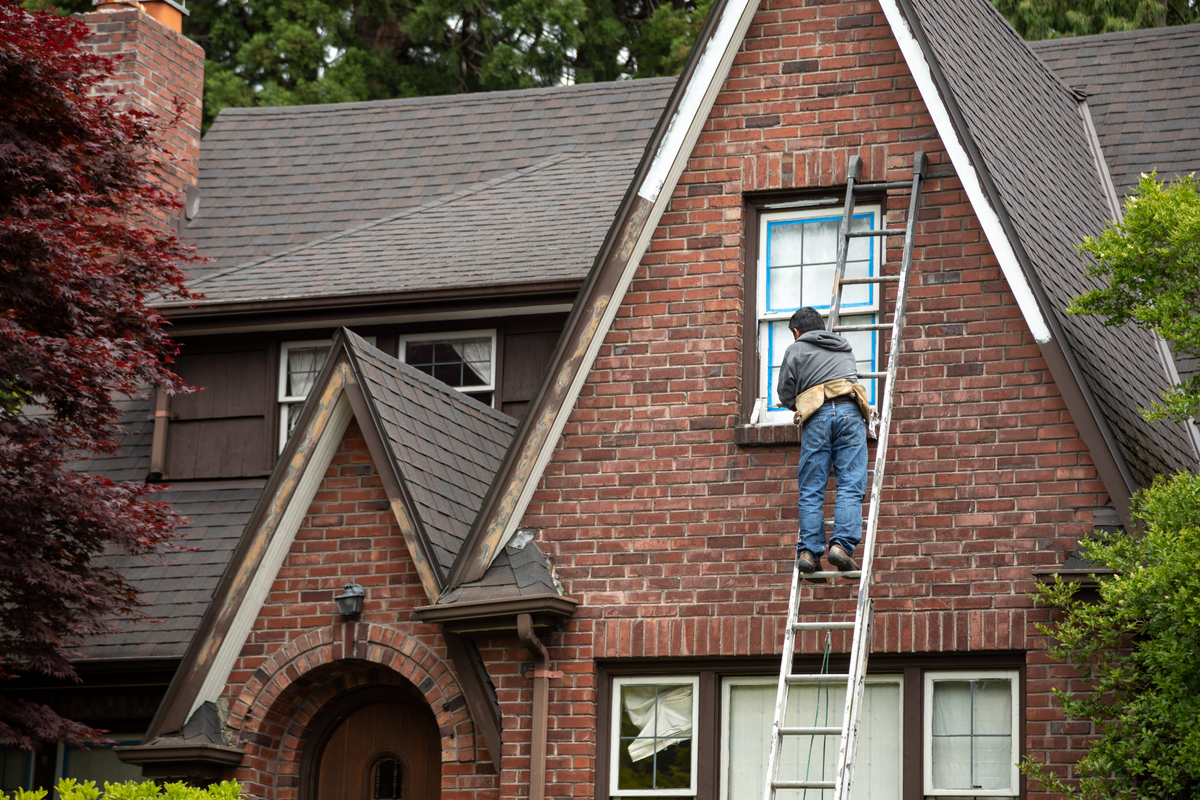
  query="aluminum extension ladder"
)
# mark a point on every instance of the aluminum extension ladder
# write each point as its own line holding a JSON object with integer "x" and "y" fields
{"x": 861, "y": 624}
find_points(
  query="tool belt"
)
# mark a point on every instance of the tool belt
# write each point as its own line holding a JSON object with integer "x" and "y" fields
{"x": 808, "y": 401}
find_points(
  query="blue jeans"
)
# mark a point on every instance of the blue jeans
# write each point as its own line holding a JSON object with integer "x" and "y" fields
{"x": 836, "y": 435}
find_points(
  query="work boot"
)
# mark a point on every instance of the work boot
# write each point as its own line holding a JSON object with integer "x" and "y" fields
{"x": 840, "y": 558}
{"x": 807, "y": 563}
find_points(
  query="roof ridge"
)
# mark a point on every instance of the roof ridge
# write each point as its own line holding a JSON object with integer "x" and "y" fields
{"x": 446, "y": 99}
{"x": 437, "y": 203}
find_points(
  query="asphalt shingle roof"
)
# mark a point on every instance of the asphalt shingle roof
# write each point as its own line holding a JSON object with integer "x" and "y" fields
{"x": 544, "y": 222}
{"x": 177, "y": 587}
{"x": 447, "y": 445}
{"x": 272, "y": 178}
{"x": 1143, "y": 93}
{"x": 1027, "y": 125}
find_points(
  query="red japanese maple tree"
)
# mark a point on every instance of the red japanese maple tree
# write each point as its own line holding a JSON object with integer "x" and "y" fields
{"x": 82, "y": 247}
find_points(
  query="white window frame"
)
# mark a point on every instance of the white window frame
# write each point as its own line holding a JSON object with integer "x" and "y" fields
{"x": 934, "y": 676}
{"x": 402, "y": 351}
{"x": 765, "y": 411}
{"x": 284, "y": 400}
{"x": 615, "y": 734}
{"x": 762, "y": 680}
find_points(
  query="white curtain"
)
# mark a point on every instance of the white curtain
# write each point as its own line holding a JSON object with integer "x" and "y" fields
{"x": 303, "y": 366}
{"x": 972, "y": 734}
{"x": 746, "y": 742}
{"x": 657, "y": 713}
{"x": 477, "y": 354}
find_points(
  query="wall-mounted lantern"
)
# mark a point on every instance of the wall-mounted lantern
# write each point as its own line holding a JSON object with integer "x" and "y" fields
{"x": 350, "y": 601}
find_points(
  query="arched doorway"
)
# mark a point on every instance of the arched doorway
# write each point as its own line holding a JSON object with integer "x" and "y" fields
{"x": 380, "y": 743}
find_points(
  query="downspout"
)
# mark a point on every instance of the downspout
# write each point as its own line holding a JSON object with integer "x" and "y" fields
{"x": 541, "y": 699}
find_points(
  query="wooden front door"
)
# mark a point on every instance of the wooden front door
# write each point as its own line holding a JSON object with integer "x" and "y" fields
{"x": 379, "y": 746}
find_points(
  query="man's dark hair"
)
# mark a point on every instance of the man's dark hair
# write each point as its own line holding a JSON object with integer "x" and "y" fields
{"x": 806, "y": 319}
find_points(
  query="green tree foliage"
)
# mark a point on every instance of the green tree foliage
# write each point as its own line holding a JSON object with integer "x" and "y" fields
{"x": 282, "y": 52}
{"x": 1151, "y": 263}
{"x": 69, "y": 789}
{"x": 1051, "y": 19}
{"x": 1139, "y": 649}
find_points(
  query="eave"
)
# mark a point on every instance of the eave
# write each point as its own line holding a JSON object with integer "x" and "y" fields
{"x": 499, "y": 616}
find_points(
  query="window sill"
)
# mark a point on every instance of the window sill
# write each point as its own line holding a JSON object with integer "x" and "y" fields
{"x": 766, "y": 435}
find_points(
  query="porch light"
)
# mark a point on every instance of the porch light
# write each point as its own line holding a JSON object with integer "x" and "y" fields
{"x": 350, "y": 601}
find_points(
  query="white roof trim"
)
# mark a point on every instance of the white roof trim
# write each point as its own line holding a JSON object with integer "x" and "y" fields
{"x": 696, "y": 103}
{"x": 277, "y": 550}
{"x": 967, "y": 172}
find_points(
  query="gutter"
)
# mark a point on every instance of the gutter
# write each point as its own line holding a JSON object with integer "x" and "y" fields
{"x": 541, "y": 703}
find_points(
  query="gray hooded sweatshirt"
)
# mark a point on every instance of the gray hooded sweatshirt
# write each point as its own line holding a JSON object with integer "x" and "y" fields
{"x": 816, "y": 357}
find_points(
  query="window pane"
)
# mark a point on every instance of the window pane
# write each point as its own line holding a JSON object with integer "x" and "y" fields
{"x": 993, "y": 708}
{"x": 991, "y": 762}
{"x": 785, "y": 289}
{"x": 951, "y": 708}
{"x": 785, "y": 241}
{"x": 419, "y": 354}
{"x": 302, "y": 368}
{"x": 746, "y": 743}
{"x": 820, "y": 241}
{"x": 951, "y": 762}
{"x": 655, "y": 745}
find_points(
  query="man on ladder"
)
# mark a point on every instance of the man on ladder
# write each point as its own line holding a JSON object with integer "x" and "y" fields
{"x": 818, "y": 380}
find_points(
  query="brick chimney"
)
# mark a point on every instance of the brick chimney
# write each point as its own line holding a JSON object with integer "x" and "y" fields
{"x": 156, "y": 63}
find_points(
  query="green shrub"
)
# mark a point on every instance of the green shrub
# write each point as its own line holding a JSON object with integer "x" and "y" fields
{"x": 70, "y": 789}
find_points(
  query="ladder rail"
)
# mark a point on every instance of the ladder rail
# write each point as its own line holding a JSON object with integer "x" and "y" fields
{"x": 785, "y": 671}
{"x": 860, "y": 644}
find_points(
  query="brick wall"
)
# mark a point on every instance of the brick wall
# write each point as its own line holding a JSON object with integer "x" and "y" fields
{"x": 301, "y": 656}
{"x": 678, "y": 540}
{"x": 156, "y": 66}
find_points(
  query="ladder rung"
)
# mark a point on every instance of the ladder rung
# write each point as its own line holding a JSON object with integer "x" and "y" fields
{"x": 853, "y": 573}
{"x": 823, "y": 626}
{"x": 810, "y": 731}
{"x": 829, "y": 677}
{"x": 872, "y": 374}
{"x": 803, "y": 785}
{"x": 872, "y": 279}
{"x": 880, "y": 232}
{"x": 875, "y": 187}
{"x": 880, "y": 326}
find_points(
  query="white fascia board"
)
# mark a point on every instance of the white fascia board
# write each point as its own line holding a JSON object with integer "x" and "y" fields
{"x": 698, "y": 96}
{"x": 277, "y": 550}
{"x": 967, "y": 172}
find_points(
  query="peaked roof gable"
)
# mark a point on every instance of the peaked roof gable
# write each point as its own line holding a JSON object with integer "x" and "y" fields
{"x": 1017, "y": 218}
{"x": 434, "y": 449}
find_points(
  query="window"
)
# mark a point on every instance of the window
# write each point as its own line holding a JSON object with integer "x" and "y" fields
{"x": 16, "y": 768}
{"x": 299, "y": 365}
{"x": 796, "y": 262}
{"x": 971, "y": 734}
{"x": 748, "y": 708}
{"x": 652, "y": 737}
{"x": 464, "y": 360}
{"x": 387, "y": 779}
{"x": 100, "y": 763}
{"x": 707, "y": 734}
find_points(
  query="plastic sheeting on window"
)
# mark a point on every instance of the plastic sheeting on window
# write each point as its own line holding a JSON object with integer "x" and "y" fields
{"x": 662, "y": 716}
